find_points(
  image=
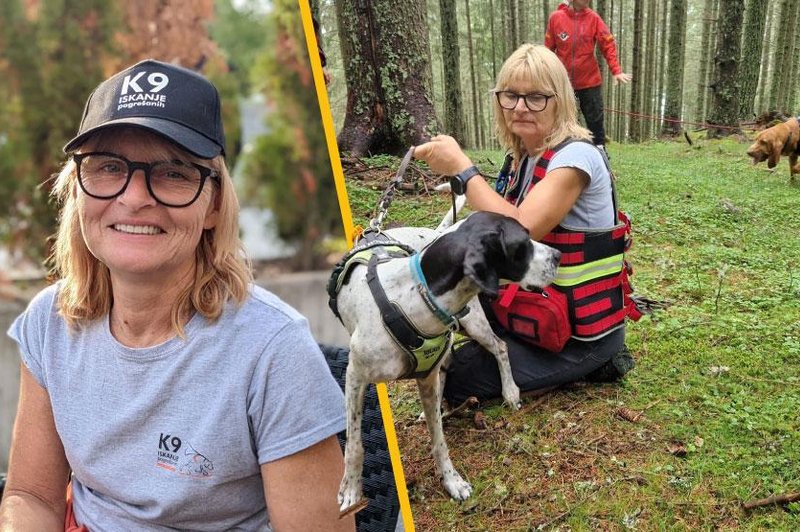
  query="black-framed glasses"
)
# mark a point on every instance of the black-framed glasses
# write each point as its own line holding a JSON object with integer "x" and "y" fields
{"x": 175, "y": 183}
{"x": 534, "y": 101}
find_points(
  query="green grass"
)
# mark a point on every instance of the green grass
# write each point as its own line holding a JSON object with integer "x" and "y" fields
{"x": 719, "y": 371}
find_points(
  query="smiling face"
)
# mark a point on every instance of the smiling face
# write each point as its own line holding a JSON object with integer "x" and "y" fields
{"x": 132, "y": 234}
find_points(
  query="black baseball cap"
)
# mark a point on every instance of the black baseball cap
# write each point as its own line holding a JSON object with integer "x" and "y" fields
{"x": 171, "y": 101}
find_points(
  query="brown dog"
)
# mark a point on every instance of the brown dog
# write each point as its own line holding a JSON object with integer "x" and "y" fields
{"x": 781, "y": 139}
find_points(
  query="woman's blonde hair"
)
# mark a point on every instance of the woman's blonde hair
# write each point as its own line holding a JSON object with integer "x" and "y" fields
{"x": 222, "y": 271}
{"x": 536, "y": 66}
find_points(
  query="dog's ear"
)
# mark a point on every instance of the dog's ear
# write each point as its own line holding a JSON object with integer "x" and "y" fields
{"x": 477, "y": 266}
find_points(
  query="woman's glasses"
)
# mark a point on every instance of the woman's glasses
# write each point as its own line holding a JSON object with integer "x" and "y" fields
{"x": 104, "y": 175}
{"x": 534, "y": 101}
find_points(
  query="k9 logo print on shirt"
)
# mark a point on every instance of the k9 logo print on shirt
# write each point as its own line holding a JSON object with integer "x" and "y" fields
{"x": 180, "y": 457}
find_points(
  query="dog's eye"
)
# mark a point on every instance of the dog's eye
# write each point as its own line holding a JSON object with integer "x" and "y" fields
{"x": 520, "y": 254}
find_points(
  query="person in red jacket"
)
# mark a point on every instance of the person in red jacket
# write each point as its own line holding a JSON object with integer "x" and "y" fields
{"x": 572, "y": 32}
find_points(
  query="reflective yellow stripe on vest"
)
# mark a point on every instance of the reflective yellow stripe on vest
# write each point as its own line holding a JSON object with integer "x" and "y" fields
{"x": 575, "y": 275}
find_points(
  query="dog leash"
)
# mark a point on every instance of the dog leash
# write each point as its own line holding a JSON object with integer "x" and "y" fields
{"x": 388, "y": 194}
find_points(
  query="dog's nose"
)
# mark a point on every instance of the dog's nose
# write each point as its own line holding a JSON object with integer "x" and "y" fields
{"x": 556, "y": 256}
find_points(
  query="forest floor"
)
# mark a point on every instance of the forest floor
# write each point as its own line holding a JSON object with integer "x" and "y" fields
{"x": 706, "y": 421}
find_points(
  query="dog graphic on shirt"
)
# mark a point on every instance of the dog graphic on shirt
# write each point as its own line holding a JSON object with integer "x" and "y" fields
{"x": 194, "y": 464}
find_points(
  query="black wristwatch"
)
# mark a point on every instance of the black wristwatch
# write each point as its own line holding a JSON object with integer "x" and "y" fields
{"x": 458, "y": 183}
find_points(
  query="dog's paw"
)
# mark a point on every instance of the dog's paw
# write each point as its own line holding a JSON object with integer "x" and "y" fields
{"x": 349, "y": 494}
{"x": 458, "y": 488}
{"x": 511, "y": 397}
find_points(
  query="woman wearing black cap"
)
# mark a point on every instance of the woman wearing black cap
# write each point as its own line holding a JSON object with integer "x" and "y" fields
{"x": 168, "y": 389}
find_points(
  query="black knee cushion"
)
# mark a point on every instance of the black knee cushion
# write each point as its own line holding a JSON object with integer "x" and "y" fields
{"x": 379, "y": 487}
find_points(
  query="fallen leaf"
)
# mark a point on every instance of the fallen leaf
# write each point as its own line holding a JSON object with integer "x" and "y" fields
{"x": 628, "y": 415}
{"x": 677, "y": 448}
{"x": 479, "y": 420}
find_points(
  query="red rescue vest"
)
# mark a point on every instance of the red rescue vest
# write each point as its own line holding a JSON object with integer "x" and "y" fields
{"x": 593, "y": 273}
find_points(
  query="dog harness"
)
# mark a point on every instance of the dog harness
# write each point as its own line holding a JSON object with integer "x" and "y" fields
{"x": 423, "y": 351}
{"x": 593, "y": 273}
{"x": 371, "y": 243}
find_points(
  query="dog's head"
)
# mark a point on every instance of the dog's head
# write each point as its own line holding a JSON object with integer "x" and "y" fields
{"x": 770, "y": 144}
{"x": 500, "y": 249}
{"x": 759, "y": 150}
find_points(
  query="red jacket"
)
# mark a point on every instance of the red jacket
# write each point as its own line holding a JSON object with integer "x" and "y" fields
{"x": 572, "y": 36}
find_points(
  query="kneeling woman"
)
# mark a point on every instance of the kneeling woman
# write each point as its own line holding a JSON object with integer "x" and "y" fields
{"x": 561, "y": 190}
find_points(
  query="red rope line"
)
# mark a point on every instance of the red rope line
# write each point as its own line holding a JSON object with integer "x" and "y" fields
{"x": 675, "y": 121}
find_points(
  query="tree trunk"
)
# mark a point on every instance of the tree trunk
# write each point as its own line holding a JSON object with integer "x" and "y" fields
{"x": 677, "y": 44}
{"x": 778, "y": 59}
{"x": 387, "y": 69}
{"x": 510, "y": 27}
{"x": 785, "y": 72}
{"x": 525, "y": 21}
{"x": 619, "y": 93}
{"x": 662, "y": 62}
{"x": 545, "y": 16}
{"x": 451, "y": 58}
{"x": 762, "y": 92}
{"x": 493, "y": 37}
{"x": 791, "y": 86}
{"x": 608, "y": 86}
{"x": 706, "y": 51}
{"x": 751, "y": 50}
{"x": 725, "y": 86}
{"x": 600, "y": 8}
{"x": 635, "y": 125}
{"x": 476, "y": 114}
{"x": 651, "y": 66}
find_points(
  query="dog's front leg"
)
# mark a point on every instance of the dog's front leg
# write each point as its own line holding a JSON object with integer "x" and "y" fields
{"x": 431, "y": 397}
{"x": 793, "y": 166}
{"x": 477, "y": 327}
{"x": 350, "y": 487}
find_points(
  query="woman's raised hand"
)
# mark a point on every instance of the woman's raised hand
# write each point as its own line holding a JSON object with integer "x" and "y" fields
{"x": 443, "y": 155}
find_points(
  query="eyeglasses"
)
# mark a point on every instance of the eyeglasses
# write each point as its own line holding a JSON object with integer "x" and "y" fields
{"x": 534, "y": 101}
{"x": 174, "y": 183}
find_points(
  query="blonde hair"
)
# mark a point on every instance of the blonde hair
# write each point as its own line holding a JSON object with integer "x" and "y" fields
{"x": 222, "y": 271}
{"x": 535, "y": 65}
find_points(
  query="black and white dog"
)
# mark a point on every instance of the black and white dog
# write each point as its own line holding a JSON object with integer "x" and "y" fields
{"x": 476, "y": 255}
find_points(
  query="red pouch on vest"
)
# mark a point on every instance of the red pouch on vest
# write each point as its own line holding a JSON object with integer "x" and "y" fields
{"x": 541, "y": 319}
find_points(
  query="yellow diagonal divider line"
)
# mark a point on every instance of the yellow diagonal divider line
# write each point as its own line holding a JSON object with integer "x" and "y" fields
{"x": 347, "y": 220}
{"x": 394, "y": 453}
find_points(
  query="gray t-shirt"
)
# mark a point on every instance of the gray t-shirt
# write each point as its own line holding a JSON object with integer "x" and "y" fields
{"x": 594, "y": 208}
{"x": 172, "y": 436}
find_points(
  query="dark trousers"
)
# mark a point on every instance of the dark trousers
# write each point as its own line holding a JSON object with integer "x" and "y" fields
{"x": 590, "y": 102}
{"x": 473, "y": 371}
